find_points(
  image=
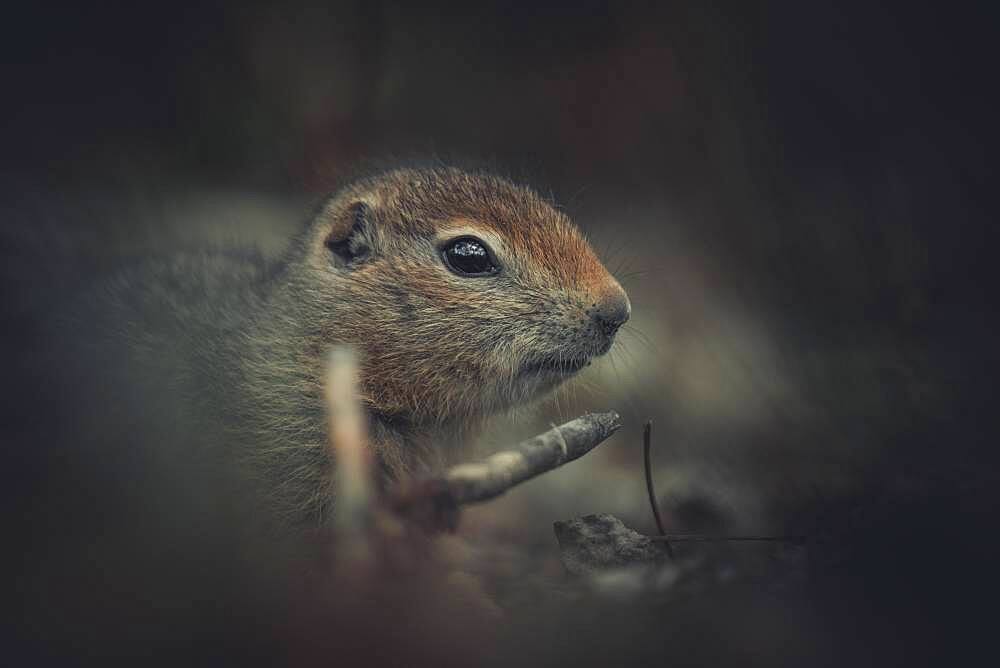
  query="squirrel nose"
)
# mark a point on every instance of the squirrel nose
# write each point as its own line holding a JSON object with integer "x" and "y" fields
{"x": 612, "y": 311}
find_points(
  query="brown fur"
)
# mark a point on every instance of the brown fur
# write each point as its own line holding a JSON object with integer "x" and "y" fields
{"x": 440, "y": 352}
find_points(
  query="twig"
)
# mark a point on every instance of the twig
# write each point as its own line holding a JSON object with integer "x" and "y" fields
{"x": 481, "y": 481}
{"x": 703, "y": 538}
{"x": 646, "y": 445}
{"x": 352, "y": 461}
{"x": 434, "y": 503}
{"x": 689, "y": 537}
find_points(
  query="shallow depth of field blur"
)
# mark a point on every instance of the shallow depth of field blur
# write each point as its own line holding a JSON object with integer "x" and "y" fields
{"x": 791, "y": 193}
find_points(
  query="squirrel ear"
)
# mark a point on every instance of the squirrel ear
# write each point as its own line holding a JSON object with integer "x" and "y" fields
{"x": 349, "y": 237}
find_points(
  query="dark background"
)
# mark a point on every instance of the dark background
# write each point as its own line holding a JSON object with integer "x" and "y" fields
{"x": 797, "y": 196}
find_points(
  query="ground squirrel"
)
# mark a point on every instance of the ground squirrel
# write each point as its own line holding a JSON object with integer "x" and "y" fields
{"x": 464, "y": 293}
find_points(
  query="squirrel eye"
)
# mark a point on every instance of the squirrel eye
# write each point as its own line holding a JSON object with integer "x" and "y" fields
{"x": 468, "y": 256}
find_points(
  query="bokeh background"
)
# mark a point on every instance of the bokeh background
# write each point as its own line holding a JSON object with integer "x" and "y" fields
{"x": 795, "y": 194}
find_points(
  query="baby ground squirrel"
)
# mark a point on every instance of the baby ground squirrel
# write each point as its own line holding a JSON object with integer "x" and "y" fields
{"x": 464, "y": 293}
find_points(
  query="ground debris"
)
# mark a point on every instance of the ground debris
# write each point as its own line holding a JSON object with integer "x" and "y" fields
{"x": 614, "y": 559}
{"x": 599, "y": 542}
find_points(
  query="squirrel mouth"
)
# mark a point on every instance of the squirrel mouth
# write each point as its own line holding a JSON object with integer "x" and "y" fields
{"x": 553, "y": 365}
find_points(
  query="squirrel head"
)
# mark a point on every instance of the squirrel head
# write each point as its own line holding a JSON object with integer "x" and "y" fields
{"x": 465, "y": 293}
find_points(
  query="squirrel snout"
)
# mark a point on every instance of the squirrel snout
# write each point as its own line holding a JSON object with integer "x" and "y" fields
{"x": 612, "y": 310}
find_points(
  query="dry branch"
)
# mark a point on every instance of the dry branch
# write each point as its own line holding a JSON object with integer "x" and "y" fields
{"x": 646, "y": 446}
{"x": 353, "y": 471}
{"x": 666, "y": 538}
{"x": 481, "y": 481}
{"x": 434, "y": 502}
{"x": 705, "y": 538}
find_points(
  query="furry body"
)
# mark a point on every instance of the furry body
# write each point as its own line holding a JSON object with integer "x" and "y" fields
{"x": 245, "y": 341}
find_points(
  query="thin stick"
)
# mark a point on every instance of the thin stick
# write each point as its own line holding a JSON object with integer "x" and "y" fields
{"x": 646, "y": 445}
{"x": 481, "y": 481}
{"x": 434, "y": 503}
{"x": 702, "y": 538}
{"x": 352, "y": 461}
